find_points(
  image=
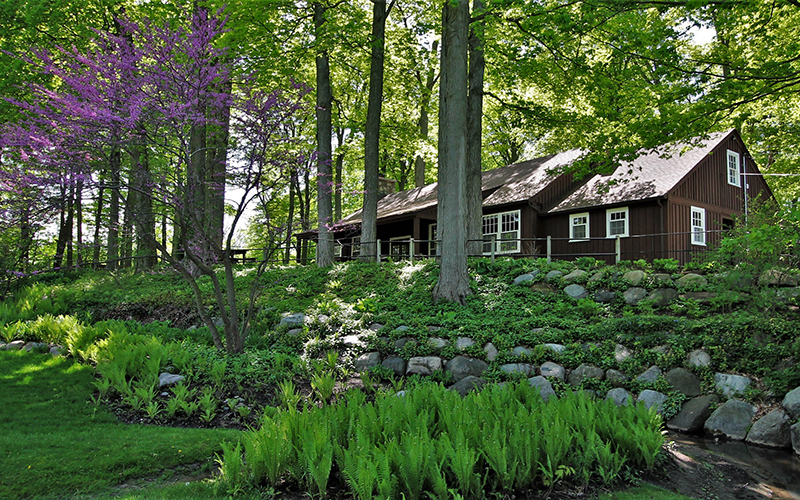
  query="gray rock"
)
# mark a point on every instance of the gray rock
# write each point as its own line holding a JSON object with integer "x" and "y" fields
{"x": 576, "y": 291}
{"x": 438, "y": 343}
{"x": 525, "y": 278}
{"x": 633, "y": 295}
{"x": 543, "y": 287}
{"x": 375, "y": 327}
{"x": 399, "y": 343}
{"x": 605, "y": 296}
{"x": 617, "y": 378}
{"x": 294, "y": 332}
{"x": 552, "y": 275}
{"x": 621, "y": 353}
{"x": 367, "y": 361}
{"x": 550, "y": 369}
{"x": 468, "y": 384}
{"x": 661, "y": 277}
{"x": 776, "y": 277}
{"x": 684, "y": 382}
{"x": 463, "y": 366}
{"x": 619, "y": 396}
{"x": 402, "y": 328}
{"x": 167, "y": 379}
{"x": 652, "y": 399}
{"x": 585, "y": 372}
{"x": 2, "y": 346}
{"x": 423, "y": 365}
{"x": 36, "y": 347}
{"x": 791, "y": 402}
{"x": 773, "y": 430}
{"x": 544, "y": 386}
{"x": 662, "y": 297}
{"x": 293, "y": 320}
{"x": 16, "y": 345}
{"x": 574, "y": 275}
{"x": 698, "y": 359}
{"x": 397, "y": 364}
{"x": 795, "y": 431}
{"x": 596, "y": 277}
{"x": 491, "y": 351}
{"x": 693, "y": 414}
{"x": 521, "y": 351}
{"x": 663, "y": 350}
{"x": 650, "y": 375}
{"x": 731, "y": 420}
{"x": 464, "y": 342}
{"x": 433, "y": 329}
{"x": 731, "y": 385}
{"x": 556, "y": 348}
{"x": 635, "y": 277}
{"x": 524, "y": 368}
{"x": 700, "y": 297}
{"x": 692, "y": 279}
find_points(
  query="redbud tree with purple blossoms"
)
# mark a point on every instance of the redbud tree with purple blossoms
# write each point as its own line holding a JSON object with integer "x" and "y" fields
{"x": 164, "y": 95}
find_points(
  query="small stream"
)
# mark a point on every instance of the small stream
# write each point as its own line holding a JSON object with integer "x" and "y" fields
{"x": 780, "y": 467}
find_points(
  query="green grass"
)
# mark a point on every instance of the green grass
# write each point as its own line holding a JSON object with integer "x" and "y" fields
{"x": 643, "y": 492}
{"x": 55, "y": 443}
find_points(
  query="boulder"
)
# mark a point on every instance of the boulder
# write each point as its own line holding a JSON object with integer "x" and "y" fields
{"x": 634, "y": 277}
{"x": 730, "y": 385}
{"x": 633, "y": 295}
{"x": 433, "y": 328}
{"x": 693, "y": 414}
{"x": 621, "y": 353}
{"x": 662, "y": 277}
{"x": 293, "y": 320}
{"x": 777, "y": 277}
{"x": 544, "y": 386}
{"x": 574, "y": 275}
{"x": 464, "y": 342}
{"x": 698, "y": 359}
{"x": 294, "y": 332}
{"x": 619, "y": 396}
{"x": 650, "y": 375}
{"x": 36, "y": 347}
{"x": 684, "y": 382}
{"x": 56, "y": 350}
{"x": 468, "y": 384}
{"x": 791, "y": 403}
{"x": 576, "y": 291}
{"x": 438, "y": 343}
{"x": 543, "y": 287}
{"x": 596, "y": 277}
{"x": 553, "y": 275}
{"x": 731, "y": 420}
{"x": 556, "y": 348}
{"x": 524, "y": 368}
{"x": 166, "y": 379}
{"x": 423, "y": 365}
{"x": 491, "y": 351}
{"x": 795, "y": 431}
{"x": 521, "y": 351}
{"x": 617, "y": 378}
{"x": 652, "y": 399}
{"x": 463, "y": 366}
{"x": 692, "y": 279}
{"x": 550, "y": 369}
{"x": 367, "y": 361}
{"x": 605, "y": 296}
{"x": 397, "y": 364}
{"x": 402, "y": 341}
{"x": 585, "y": 372}
{"x": 375, "y": 327}
{"x": 402, "y": 328}
{"x": 662, "y": 350}
{"x": 525, "y": 278}
{"x": 16, "y": 345}
{"x": 773, "y": 430}
{"x": 662, "y": 297}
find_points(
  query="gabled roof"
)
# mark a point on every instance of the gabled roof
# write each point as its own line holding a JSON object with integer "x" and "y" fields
{"x": 514, "y": 183}
{"x": 650, "y": 175}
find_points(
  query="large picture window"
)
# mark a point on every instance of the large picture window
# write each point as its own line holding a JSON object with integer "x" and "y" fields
{"x": 698, "y": 226}
{"x": 579, "y": 227}
{"x": 501, "y": 233}
{"x": 734, "y": 169}
{"x": 617, "y": 222}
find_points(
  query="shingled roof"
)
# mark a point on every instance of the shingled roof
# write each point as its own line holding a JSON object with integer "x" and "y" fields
{"x": 649, "y": 176}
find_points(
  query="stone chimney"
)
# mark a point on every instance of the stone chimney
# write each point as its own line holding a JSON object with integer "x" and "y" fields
{"x": 385, "y": 186}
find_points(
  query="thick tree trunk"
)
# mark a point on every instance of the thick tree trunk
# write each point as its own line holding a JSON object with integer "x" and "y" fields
{"x": 217, "y": 159}
{"x": 453, "y": 284}
{"x": 61, "y": 241}
{"x": 338, "y": 167}
{"x": 126, "y": 248}
{"x": 98, "y": 216}
{"x": 290, "y": 218}
{"x": 324, "y": 147}
{"x": 372, "y": 133}
{"x": 70, "y": 226}
{"x": 477, "y": 64}
{"x": 424, "y": 120}
{"x": 142, "y": 209}
{"x": 112, "y": 252}
{"x": 195, "y": 212}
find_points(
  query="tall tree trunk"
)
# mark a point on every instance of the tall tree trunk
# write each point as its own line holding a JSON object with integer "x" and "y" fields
{"x": 338, "y": 167}
{"x": 112, "y": 253}
{"x": 195, "y": 212}
{"x": 424, "y": 120}
{"x": 61, "y": 241}
{"x": 477, "y": 64}
{"x": 290, "y": 217}
{"x": 216, "y": 162}
{"x": 372, "y": 133}
{"x": 453, "y": 283}
{"x": 70, "y": 226}
{"x": 79, "y": 222}
{"x": 98, "y": 217}
{"x": 324, "y": 148}
{"x": 306, "y": 212}
{"x": 126, "y": 248}
{"x": 141, "y": 196}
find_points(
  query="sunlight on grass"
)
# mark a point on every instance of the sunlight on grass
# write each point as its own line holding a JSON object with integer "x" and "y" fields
{"x": 408, "y": 273}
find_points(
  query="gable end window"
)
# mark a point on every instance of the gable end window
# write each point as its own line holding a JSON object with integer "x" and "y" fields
{"x": 579, "y": 227}
{"x": 734, "y": 169}
{"x": 501, "y": 233}
{"x": 617, "y": 222}
{"x": 698, "y": 226}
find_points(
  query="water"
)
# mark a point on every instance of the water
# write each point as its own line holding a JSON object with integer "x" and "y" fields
{"x": 781, "y": 468}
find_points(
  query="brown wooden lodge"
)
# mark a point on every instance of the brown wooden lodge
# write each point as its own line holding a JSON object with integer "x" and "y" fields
{"x": 671, "y": 203}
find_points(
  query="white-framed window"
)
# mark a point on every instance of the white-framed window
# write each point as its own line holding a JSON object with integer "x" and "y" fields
{"x": 337, "y": 249}
{"x": 579, "y": 227}
{"x": 734, "y": 169}
{"x": 399, "y": 247}
{"x": 698, "y": 226}
{"x": 433, "y": 247}
{"x": 501, "y": 232}
{"x": 617, "y": 222}
{"x": 355, "y": 246}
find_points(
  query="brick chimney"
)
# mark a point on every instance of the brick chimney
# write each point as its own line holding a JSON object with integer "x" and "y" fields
{"x": 385, "y": 186}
